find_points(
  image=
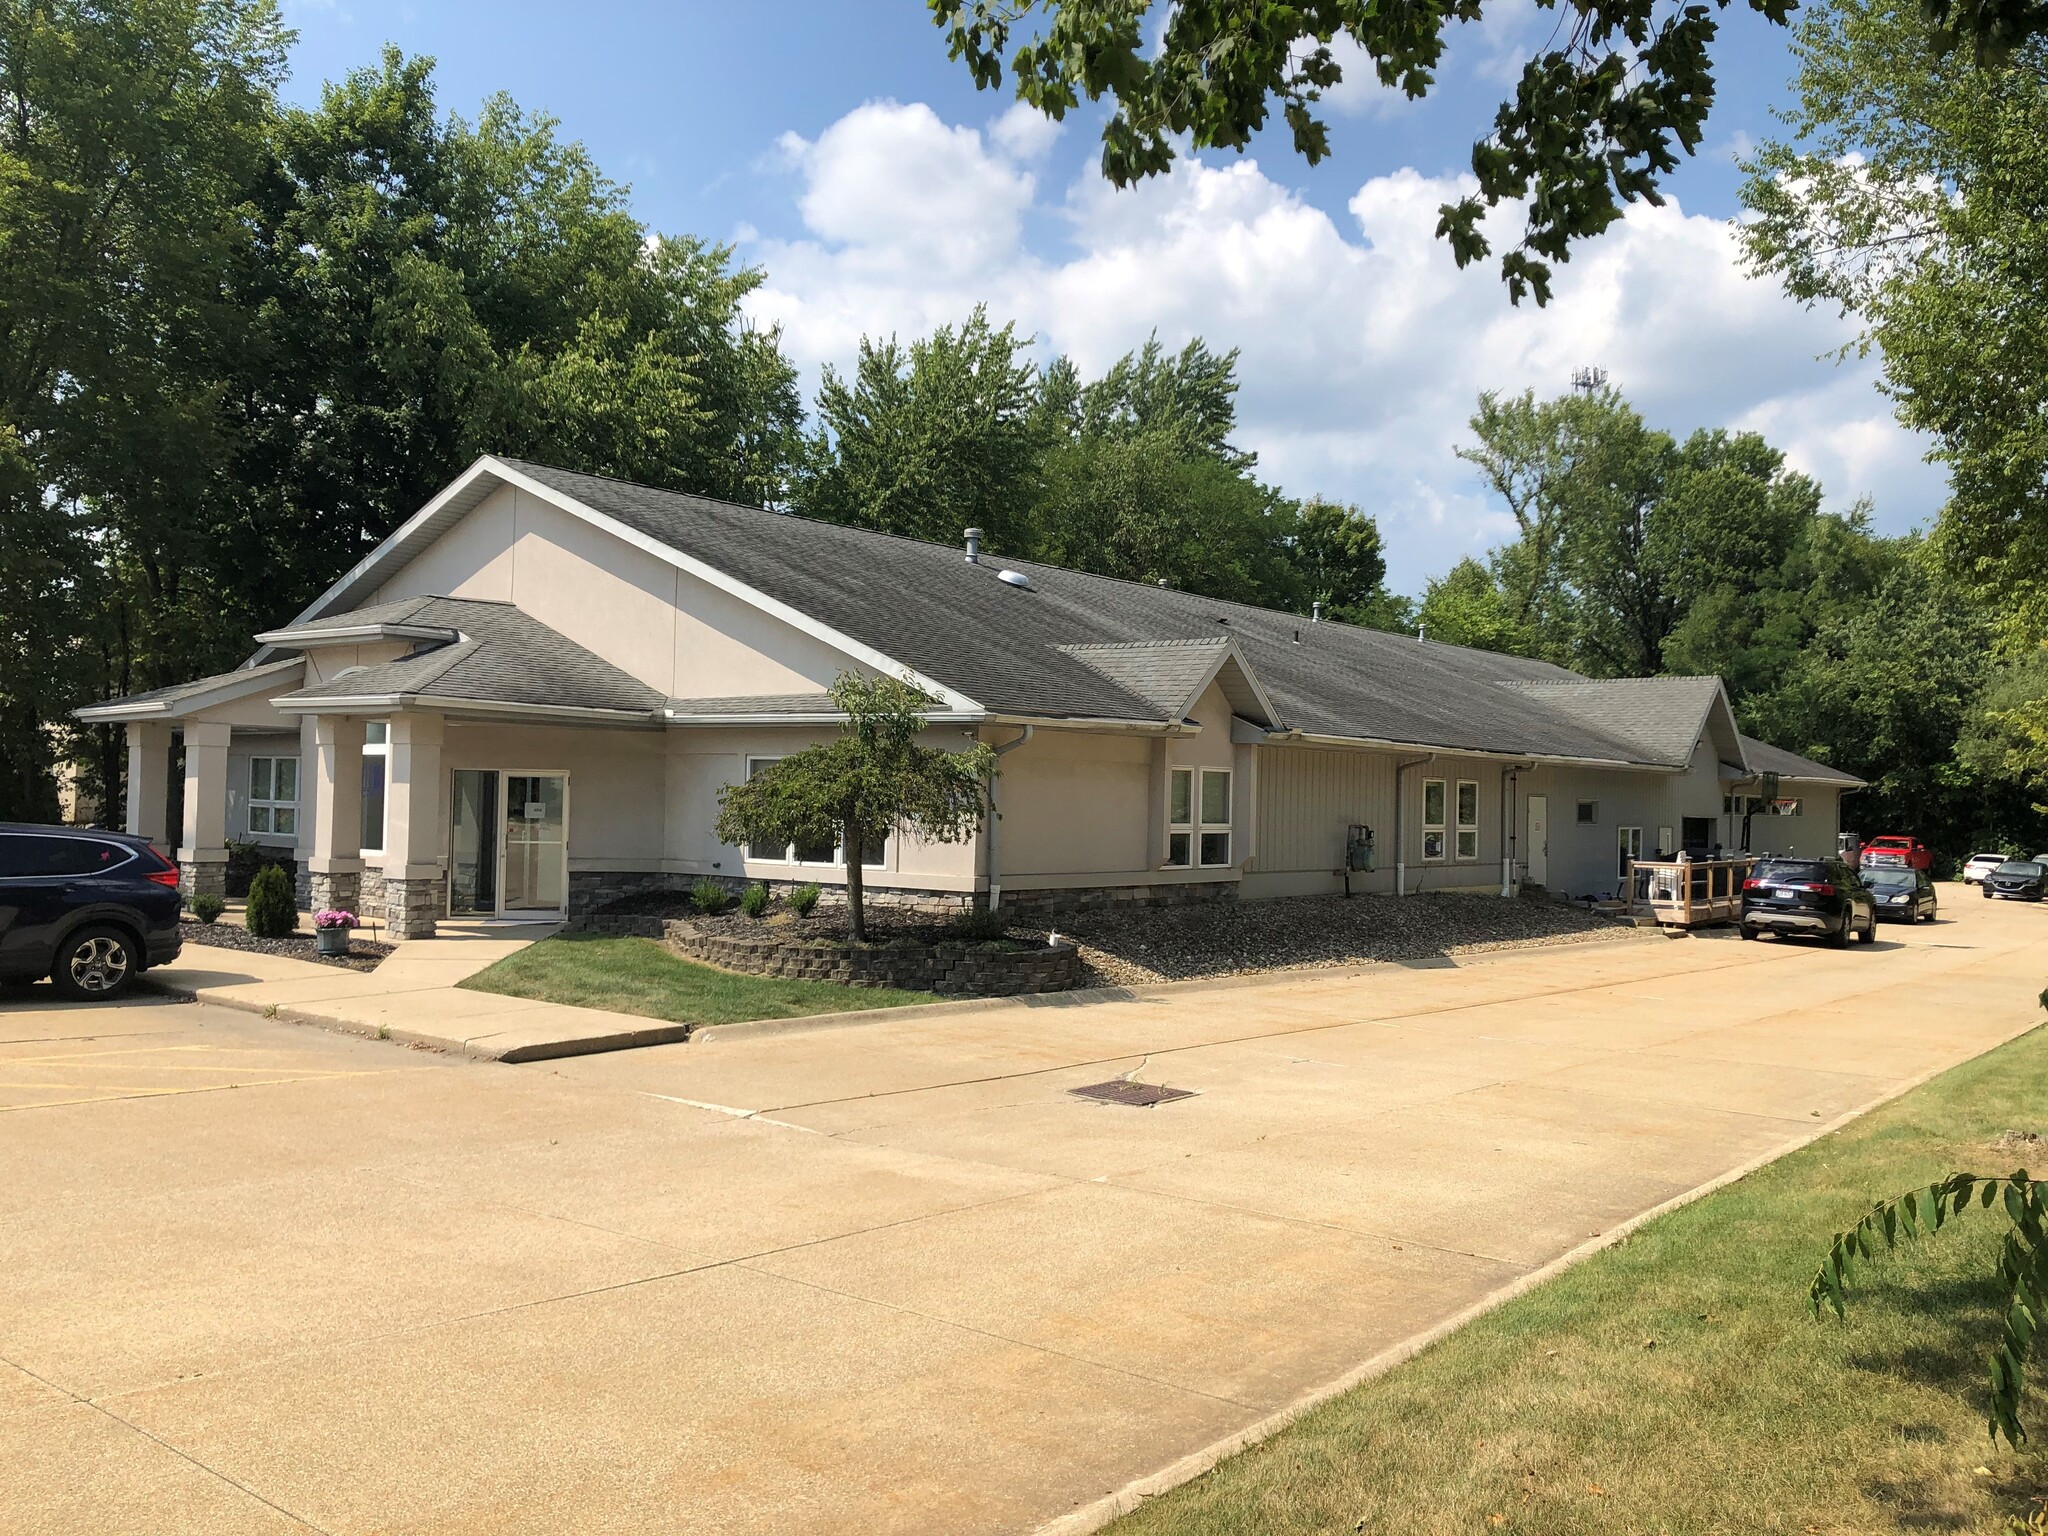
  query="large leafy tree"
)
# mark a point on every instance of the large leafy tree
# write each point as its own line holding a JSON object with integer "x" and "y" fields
{"x": 131, "y": 139}
{"x": 1636, "y": 554}
{"x": 877, "y": 777}
{"x": 1910, "y": 194}
{"x": 931, "y": 438}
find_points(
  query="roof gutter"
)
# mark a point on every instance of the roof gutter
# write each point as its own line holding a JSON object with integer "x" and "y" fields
{"x": 821, "y": 717}
{"x": 1485, "y": 755}
{"x": 995, "y": 819}
{"x": 385, "y": 703}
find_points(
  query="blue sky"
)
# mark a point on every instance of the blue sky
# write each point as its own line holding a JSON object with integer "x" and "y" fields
{"x": 841, "y": 149}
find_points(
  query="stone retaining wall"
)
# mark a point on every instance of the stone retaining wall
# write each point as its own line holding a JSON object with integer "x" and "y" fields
{"x": 949, "y": 969}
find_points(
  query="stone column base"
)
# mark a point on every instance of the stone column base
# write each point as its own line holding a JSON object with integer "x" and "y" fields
{"x": 302, "y": 888}
{"x": 411, "y": 907}
{"x": 325, "y": 892}
{"x": 201, "y": 877}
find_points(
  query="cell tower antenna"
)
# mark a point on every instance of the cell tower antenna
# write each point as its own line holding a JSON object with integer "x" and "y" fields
{"x": 1590, "y": 381}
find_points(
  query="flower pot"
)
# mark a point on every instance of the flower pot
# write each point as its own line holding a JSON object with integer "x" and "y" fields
{"x": 332, "y": 941}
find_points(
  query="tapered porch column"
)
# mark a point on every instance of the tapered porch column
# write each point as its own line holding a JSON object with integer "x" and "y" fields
{"x": 336, "y": 863}
{"x": 149, "y": 782}
{"x": 203, "y": 857}
{"x": 415, "y": 815}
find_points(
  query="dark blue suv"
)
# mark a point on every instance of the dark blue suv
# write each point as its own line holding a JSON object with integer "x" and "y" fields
{"x": 90, "y": 910}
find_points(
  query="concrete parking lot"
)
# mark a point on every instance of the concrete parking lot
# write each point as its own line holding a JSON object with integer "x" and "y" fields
{"x": 887, "y": 1277}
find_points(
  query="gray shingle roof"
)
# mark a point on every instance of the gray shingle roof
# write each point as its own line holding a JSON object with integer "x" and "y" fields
{"x": 178, "y": 692}
{"x": 763, "y": 705}
{"x": 1660, "y": 717}
{"x": 1765, "y": 758}
{"x": 1013, "y": 650}
{"x": 1164, "y": 673}
{"x": 504, "y": 656}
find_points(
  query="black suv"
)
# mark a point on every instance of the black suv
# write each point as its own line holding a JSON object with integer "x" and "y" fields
{"x": 1821, "y": 897}
{"x": 90, "y": 910}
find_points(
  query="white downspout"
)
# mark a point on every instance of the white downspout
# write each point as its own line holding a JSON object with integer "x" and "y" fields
{"x": 1510, "y": 795}
{"x": 995, "y": 820}
{"x": 1400, "y": 821}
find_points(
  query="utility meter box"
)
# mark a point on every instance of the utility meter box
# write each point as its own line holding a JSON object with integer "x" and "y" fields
{"x": 1358, "y": 849}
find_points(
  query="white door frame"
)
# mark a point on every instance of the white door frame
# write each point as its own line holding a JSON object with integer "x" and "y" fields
{"x": 504, "y": 825}
{"x": 1536, "y": 850}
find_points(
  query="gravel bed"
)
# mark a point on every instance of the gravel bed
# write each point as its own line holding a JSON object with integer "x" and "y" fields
{"x": 1142, "y": 946}
{"x": 1139, "y": 946}
{"x": 363, "y": 954}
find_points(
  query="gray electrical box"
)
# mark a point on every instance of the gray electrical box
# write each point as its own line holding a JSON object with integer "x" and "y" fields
{"x": 1358, "y": 848}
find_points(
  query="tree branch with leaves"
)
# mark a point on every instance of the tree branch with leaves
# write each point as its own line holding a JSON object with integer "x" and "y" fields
{"x": 2022, "y": 1267}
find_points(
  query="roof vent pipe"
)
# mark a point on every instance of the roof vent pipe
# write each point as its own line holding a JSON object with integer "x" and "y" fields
{"x": 974, "y": 546}
{"x": 1315, "y": 614}
{"x": 1421, "y": 633}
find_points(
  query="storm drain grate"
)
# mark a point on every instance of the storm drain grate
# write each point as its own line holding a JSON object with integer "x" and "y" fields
{"x": 1136, "y": 1095}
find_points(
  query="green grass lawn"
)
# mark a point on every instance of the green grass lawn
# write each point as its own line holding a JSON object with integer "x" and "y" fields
{"x": 1676, "y": 1383}
{"x": 639, "y": 976}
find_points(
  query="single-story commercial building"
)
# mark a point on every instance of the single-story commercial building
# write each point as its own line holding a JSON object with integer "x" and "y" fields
{"x": 526, "y": 700}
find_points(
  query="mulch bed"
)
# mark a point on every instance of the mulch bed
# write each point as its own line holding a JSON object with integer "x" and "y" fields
{"x": 363, "y": 954}
{"x": 1141, "y": 946}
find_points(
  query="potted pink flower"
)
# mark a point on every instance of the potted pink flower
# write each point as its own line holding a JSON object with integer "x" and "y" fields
{"x": 332, "y": 930}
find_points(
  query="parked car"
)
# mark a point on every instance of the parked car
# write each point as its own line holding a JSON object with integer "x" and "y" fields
{"x": 2019, "y": 879}
{"x": 1897, "y": 852}
{"x": 1980, "y": 865}
{"x": 1823, "y": 898}
{"x": 90, "y": 910}
{"x": 1907, "y": 895}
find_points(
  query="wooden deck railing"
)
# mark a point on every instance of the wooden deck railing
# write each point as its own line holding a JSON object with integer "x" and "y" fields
{"x": 1688, "y": 893}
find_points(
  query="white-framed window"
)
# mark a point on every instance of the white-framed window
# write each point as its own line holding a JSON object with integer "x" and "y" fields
{"x": 376, "y": 765}
{"x": 1628, "y": 844}
{"x": 1435, "y": 806}
{"x": 1589, "y": 813}
{"x": 1468, "y": 819}
{"x": 807, "y": 853}
{"x": 1180, "y": 817}
{"x": 1214, "y": 849}
{"x": 274, "y": 796}
{"x": 1197, "y": 817}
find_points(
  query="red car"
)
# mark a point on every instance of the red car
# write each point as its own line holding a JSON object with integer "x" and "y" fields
{"x": 1897, "y": 853}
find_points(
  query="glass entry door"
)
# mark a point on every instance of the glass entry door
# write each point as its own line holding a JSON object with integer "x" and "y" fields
{"x": 473, "y": 844}
{"x": 536, "y": 852}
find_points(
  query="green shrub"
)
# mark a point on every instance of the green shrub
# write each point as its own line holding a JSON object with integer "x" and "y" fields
{"x": 208, "y": 907}
{"x": 272, "y": 913}
{"x": 754, "y": 901}
{"x": 710, "y": 896}
{"x": 804, "y": 900}
{"x": 978, "y": 926}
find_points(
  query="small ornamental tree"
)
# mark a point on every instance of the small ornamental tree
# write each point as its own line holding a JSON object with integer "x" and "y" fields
{"x": 876, "y": 777}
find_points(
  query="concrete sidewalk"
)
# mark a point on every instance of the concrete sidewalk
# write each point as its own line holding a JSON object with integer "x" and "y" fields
{"x": 413, "y": 997}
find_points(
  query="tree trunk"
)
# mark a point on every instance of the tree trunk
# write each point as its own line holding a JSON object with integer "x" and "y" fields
{"x": 856, "y": 914}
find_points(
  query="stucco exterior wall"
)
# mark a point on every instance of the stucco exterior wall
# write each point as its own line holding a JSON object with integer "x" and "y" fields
{"x": 1089, "y": 808}
{"x": 672, "y": 630}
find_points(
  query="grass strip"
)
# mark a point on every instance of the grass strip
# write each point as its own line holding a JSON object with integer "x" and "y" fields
{"x": 639, "y": 976}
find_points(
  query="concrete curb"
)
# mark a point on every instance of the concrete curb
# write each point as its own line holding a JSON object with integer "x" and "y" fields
{"x": 1082, "y": 997}
{"x": 1095, "y": 1515}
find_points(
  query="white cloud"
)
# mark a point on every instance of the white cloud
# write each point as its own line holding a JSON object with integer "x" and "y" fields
{"x": 1363, "y": 346}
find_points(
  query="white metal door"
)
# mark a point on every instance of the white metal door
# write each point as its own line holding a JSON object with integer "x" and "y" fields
{"x": 1536, "y": 851}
